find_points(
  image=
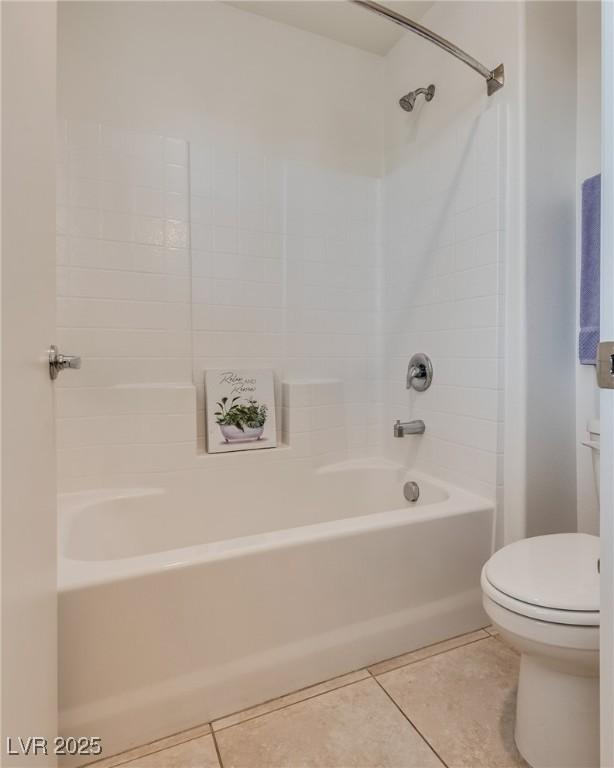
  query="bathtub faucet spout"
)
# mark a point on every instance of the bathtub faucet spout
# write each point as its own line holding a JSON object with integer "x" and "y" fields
{"x": 415, "y": 427}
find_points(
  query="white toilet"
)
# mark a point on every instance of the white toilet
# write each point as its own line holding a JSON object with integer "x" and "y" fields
{"x": 542, "y": 594}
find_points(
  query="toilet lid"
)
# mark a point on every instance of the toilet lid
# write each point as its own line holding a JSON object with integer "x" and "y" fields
{"x": 558, "y": 571}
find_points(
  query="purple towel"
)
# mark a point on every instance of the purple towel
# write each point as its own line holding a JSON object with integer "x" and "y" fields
{"x": 589, "y": 282}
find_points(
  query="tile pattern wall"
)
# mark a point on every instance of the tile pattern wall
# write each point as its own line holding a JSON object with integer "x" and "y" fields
{"x": 313, "y": 419}
{"x": 123, "y": 303}
{"x": 173, "y": 259}
{"x": 284, "y": 276}
{"x": 443, "y": 294}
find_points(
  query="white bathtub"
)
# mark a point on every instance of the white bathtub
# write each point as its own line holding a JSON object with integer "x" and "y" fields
{"x": 176, "y": 609}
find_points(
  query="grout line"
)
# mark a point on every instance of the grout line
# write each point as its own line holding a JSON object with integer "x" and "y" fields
{"x": 323, "y": 693}
{"x": 123, "y": 414}
{"x": 464, "y": 445}
{"x": 130, "y": 443}
{"x": 487, "y": 636}
{"x": 217, "y": 749}
{"x": 66, "y": 297}
{"x": 146, "y": 745}
{"x": 128, "y": 356}
{"x": 291, "y": 704}
{"x": 424, "y": 739}
{"x": 130, "y": 270}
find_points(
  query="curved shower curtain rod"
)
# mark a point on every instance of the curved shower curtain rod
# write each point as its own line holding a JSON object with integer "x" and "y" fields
{"x": 494, "y": 78}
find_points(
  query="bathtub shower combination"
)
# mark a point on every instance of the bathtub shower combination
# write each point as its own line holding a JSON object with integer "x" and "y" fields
{"x": 171, "y": 616}
{"x": 193, "y": 585}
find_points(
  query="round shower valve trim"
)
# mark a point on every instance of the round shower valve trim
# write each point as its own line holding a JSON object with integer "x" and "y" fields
{"x": 419, "y": 372}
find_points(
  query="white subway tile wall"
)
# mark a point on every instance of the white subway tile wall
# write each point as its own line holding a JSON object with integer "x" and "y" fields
{"x": 443, "y": 263}
{"x": 175, "y": 258}
{"x": 284, "y": 277}
{"x": 313, "y": 419}
{"x": 124, "y": 304}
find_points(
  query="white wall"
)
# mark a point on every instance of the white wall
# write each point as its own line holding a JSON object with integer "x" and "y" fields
{"x": 588, "y": 163}
{"x": 173, "y": 259}
{"x": 123, "y": 302}
{"x": 443, "y": 267}
{"x": 445, "y": 217}
{"x": 28, "y": 490}
{"x": 173, "y": 68}
{"x": 550, "y": 254}
{"x": 284, "y": 276}
{"x": 491, "y": 194}
{"x": 251, "y": 244}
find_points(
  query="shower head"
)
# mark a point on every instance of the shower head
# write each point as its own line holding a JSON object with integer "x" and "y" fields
{"x": 407, "y": 102}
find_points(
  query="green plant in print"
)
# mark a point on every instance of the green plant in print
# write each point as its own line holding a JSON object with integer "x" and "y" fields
{"x": 233, "y": 413}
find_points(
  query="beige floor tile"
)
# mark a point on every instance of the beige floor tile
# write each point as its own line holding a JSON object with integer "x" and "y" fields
{"x": 291, "y": 698}
{"x": 424, "y": 653}
{"x": 463, "y": 703}
{"x": 154, "y": 746}
{"x": 492, "y": 630}
{"x": 197, "y": 753}
{"x": 352, "y": 727}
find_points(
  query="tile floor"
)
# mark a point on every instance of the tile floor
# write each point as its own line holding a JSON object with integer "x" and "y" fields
{"x": 451, "y": 704}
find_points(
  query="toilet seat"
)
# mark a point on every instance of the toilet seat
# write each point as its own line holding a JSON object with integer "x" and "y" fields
{"x": 550, "y": 578}
{"x": 537, "y": 612}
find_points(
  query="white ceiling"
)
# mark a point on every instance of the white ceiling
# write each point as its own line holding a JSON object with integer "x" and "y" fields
{"x": 338, "y": 20}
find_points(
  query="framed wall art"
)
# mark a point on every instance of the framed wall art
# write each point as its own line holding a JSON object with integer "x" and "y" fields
{"x": 240, "y": 410}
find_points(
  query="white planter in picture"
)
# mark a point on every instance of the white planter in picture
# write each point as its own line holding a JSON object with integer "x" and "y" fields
{"x": 234, "y": 434}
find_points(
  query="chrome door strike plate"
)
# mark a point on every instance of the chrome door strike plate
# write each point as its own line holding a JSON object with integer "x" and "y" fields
{"x": 605, "y": 365}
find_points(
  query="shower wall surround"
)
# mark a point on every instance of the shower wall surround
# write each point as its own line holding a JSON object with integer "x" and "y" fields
{"x": 443, "y": 293}
{"x": 284, "y": 277}
{"x": 453, "y": 190}
{"x": 123, "y": 303}
{"x": 175, "y": 258}
{"x": 306, "y": 225}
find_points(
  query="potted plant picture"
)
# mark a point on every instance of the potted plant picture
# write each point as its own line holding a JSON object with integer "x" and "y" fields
{"x": 240, "y": 408}
{"x": 239, "y": 421}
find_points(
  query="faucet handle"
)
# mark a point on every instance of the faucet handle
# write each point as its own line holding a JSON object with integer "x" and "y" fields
{"x": 419, "y": 372}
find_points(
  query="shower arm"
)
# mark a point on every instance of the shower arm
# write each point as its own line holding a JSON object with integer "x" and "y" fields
{"x": 494, "y": 78}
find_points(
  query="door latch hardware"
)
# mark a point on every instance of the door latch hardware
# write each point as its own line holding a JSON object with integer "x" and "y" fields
{"x": 605, "y": 365}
